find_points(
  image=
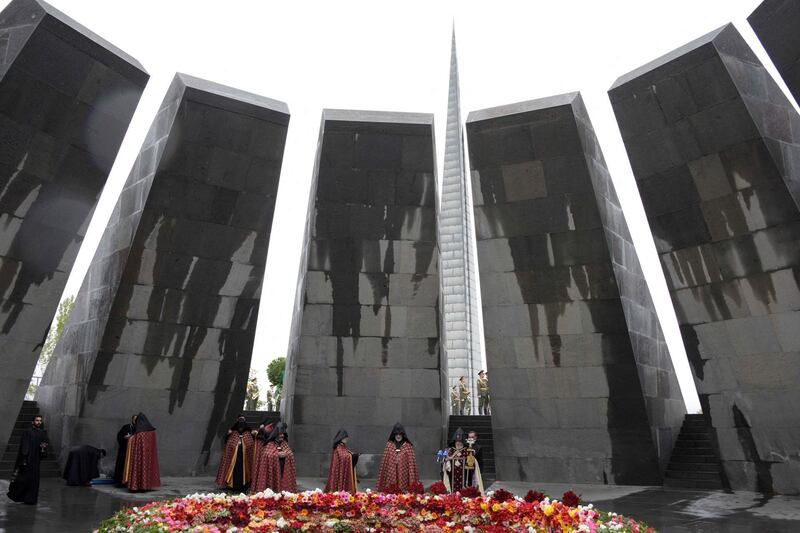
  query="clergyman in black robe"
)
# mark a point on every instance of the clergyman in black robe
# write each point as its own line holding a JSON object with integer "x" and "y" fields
{"x": 123, "y": 435}
{"x": 32, "y": 449}
{"x": 81, "y": 467}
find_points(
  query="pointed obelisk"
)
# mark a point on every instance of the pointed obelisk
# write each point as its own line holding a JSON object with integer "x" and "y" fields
{"x": 461, "y": 319}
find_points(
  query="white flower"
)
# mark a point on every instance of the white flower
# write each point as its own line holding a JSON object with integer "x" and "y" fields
{"x": 583, "y": 527}
{"x": 281, "y": 523}
{"x": 330, "y": 522}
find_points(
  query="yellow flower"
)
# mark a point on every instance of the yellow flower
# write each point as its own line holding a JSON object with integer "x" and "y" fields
{"x": 548, "y": 510}
{"x": 496, "y": 507}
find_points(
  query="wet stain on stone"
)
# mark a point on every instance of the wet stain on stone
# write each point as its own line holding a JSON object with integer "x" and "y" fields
{"x": 692, "y": 345}
{"x": 340, "y": 367}
{"x": 748, "y": 444}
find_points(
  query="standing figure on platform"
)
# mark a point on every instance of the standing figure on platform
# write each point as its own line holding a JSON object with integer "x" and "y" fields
{"x": 342, "y": 473}
{"x": 483, "y": 393}
{"x": 277, "y": 398}
{"x": 269, "y": 399}
{"x": 252, "y": 395}
{"x": 454, "y": 403}
{"x": 465, "y": 405}
{"x": 123, "y": 435}
{"x": 24, "y": 485}
{"x": 236, "y": 464}
{"x": 399, "y": 465}
{"x": 460, "y": 468}
{"x": 141, "y": 470}
{"x": 276, "y": 468}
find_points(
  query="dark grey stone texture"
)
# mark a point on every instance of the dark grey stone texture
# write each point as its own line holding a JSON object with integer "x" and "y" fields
{"x": 66, "y": 98}
{"x": 364, "y": 350}
{"x": 777, "y": 25}
{"x": 165, "y": 319}
{"x": 583, "y": 385}
{"x": 715, "y": 149}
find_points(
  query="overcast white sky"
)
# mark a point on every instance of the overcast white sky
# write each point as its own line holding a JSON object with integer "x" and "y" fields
{"x": 372, "y": 55}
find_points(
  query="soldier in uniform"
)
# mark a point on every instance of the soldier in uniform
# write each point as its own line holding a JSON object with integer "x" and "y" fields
{"x": 269, "y": 399}
{"x": 454, "y": 404}
{"x": 465, "y": 406}
{"x": 483, "y": 393}
{"x": 277, "y": 398}
{"x": 252, "y": 395}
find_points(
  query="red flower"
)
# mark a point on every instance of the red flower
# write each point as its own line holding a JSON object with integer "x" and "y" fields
{"x": 570, "y": 499}
{"x": 502, "y": 495}
{"x": 437, "y": 488}
{"x": 416, "y": 488}
{"x": 470, "y": 492}
{"x": 534, "y": 496}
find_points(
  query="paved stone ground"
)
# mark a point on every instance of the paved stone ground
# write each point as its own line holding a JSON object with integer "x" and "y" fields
{"x": 80, "y": 509}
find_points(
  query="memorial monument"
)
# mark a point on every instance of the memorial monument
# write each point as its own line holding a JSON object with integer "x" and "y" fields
{"x": 66, "y": 98}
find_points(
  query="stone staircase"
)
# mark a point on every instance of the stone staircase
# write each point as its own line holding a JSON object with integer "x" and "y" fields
{"x": 482, "y": 425}
{"x": 694, "y": 463}
{"x": 254, "y": 418}
{"x": 49, "y": 466}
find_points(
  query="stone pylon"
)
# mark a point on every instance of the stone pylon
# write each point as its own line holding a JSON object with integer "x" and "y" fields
{"x": 461, "y": 320}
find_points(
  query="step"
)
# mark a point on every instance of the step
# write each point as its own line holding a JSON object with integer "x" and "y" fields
{"x": 694, "y": 459}
{"x": 693, "y": 445}
{"x": 684, "y": 474}
{"x": 693, "y": 467}
{"x": 693, "y": 436}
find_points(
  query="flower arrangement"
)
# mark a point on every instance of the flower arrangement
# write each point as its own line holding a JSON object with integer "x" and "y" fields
{"x": 365, "y": 511}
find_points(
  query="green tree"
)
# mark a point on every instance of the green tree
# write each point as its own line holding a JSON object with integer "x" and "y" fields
{"x": 55, "y": 332}
{"x": 275, "y": 371}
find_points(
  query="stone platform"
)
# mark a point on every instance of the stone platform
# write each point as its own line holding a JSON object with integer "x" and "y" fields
{"x": 78, "y": 509}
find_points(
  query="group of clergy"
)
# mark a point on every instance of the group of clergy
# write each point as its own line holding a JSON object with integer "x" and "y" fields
{"x": 253, "y": 459}
{"x": 262, "y": 459}
{"x": 257, "y": 459}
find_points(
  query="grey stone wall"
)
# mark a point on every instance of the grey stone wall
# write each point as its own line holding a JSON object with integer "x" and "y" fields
{"x": 66, "y": 98}
{"x": 165, "y": 319}
{"x": 776, "y": 22}
{"x": 714, "y": 147}
{"x": 576, "y": 397}
{"x": 365, "y": 351}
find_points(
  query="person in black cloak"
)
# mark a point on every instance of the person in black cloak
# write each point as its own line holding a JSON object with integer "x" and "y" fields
{"x": 123, "y": 435}
{"x": 24, "y": 486}
{"x": 81, "y": 467}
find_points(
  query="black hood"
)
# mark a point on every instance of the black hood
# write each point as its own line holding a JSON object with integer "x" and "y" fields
{"x": 279, "y": 428}
{"x": 341, "y": 434}
{"x": 398, "y": 428}
{"x": 458, "y": 435}
{"x": 240, "y": 425}
{"x": 142, "y": 424}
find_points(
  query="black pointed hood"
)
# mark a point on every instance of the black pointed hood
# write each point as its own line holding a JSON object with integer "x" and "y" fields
{"x": 340, "y": 435}
{"x": 142, "y": 424}
{"x": 458, "y": 435}
{"x": 398, "y": 428}
{"x": 240, "y": 425}
{"x": 279, "y": 428}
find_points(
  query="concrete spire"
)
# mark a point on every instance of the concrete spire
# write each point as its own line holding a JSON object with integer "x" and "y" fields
{"x": 461, "y": 318}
